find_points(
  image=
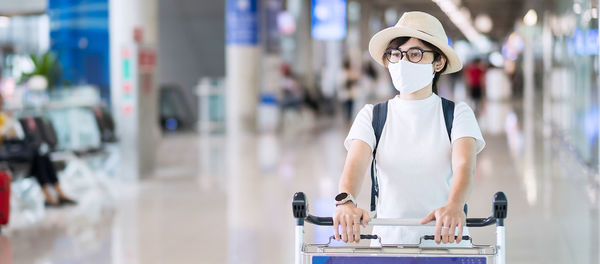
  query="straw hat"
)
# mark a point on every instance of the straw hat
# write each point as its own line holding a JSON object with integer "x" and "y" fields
{"x": 418, "y": 25}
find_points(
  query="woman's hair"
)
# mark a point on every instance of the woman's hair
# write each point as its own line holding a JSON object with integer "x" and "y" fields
{"x": 397, "y": 42}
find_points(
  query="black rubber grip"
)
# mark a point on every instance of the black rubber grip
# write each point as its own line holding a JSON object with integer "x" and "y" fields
{"x": 480, "y": 222}
{"x": 299, "y": 205}
{"x": 455, "y": 237}
{"x": 322, "y": 221}
{"x": 369, "y": 237}
{"x": 500, "y": 204}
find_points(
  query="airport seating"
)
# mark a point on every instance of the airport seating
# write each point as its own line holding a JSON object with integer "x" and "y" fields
{"x": 77, "y": 140}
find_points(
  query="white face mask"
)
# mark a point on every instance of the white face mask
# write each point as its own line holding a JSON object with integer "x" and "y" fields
{"x": 409, "y": 77}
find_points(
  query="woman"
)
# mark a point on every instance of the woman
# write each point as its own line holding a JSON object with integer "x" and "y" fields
{"x": 41, "y": 166}
{"x": 422, "y": 172}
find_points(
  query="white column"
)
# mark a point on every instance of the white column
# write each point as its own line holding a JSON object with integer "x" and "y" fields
{"x": 529, "y": 173}
{"x": 333, "y": 66}
{"x": 134, "y": 99}
{"x": 242, "y": 64}
{"x": 303, "y": 65}
{"x": 242, "y": 79}
{"x": 242, "y": 71}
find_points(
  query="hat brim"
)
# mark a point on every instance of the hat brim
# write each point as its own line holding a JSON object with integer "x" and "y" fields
{"x": 380, "y": 41}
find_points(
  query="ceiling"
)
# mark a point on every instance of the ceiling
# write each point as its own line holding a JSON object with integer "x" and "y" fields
{"x": 503, "y": 13}
{"x": 22, "y": 7}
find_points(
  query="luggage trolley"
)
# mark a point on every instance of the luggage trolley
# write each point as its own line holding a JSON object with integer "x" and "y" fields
{"x": 426, "y": 252}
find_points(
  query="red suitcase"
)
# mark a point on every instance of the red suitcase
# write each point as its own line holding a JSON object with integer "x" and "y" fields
{"x": 5, "y": 180}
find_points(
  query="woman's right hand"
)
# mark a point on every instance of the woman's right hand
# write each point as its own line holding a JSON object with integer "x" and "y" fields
{"x": 348, "y": 218}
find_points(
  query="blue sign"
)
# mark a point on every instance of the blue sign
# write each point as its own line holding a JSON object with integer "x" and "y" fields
{"x": 329, "y": 19}
{"x": 79, "y": 36}
{"x": 592, "y": 42}
{"x": 241, "y": 22}
{"x": 584, "y": 42}
{"x": 398, "y": 260}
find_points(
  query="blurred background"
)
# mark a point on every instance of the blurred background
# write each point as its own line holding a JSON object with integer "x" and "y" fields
{"x": 177, "y": 131}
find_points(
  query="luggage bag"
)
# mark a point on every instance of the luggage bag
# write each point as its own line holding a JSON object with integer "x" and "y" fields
{"x": 5, "y": 181}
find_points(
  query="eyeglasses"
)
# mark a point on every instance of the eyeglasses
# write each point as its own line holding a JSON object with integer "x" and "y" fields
{"x": 414, "y": 54}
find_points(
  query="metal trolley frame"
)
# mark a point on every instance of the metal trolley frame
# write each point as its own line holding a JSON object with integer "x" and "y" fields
{"x": 426, "y": 252}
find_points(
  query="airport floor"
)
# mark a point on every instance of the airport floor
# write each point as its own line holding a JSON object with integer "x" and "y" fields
{"x": 215, "y": 199}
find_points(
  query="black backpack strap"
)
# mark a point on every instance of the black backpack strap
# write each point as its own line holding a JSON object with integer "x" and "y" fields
{"x": 379, "y": 118}
{"x": 448, "y": 108}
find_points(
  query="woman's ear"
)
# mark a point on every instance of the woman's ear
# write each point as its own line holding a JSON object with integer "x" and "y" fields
{"x": 439, "y": 63}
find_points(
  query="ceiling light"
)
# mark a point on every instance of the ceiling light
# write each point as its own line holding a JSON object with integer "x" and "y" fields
{"x": 483, "y": 23}
{"x": 530, "y": 18}
{"x": 460, "y": 18}
{"x": 4, "y": 21}
{"x": 466, "y": 13}
{"x": 496, "y": 59}
{"x": 577, "y": 8}
{"x": 587, "y": 16}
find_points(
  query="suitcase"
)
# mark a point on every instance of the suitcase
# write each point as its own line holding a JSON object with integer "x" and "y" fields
{"x": 5, "y": 180}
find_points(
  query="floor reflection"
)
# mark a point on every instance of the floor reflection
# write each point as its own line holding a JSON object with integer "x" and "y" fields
{"x": 223, "y": 199}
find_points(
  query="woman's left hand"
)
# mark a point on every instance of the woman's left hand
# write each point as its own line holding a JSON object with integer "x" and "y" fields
{"x": 448, "y": 219}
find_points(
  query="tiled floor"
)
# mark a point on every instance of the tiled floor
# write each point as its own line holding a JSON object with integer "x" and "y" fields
{"x": 227, "y": 200}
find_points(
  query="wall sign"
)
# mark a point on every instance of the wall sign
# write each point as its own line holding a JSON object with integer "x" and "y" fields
{"x": 241, "y": 22}
{"x": 329, "y": 19}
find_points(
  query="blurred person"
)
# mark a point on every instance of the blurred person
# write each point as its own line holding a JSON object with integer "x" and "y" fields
{"x": 299, "y": 107}
{"x": 41, "y": 166}
{"x": 498, "y": 86}
{"x": 368, "y": 83}
{"x": 445, "y": 87}
{"x": 383, "y": 86}
{"x": 498, "y": 92}
{"x": 292, "y": 92}
{"x": 474, "y": 74}
{"x": 423, "y": 170}
{"x": 347, "y": 89}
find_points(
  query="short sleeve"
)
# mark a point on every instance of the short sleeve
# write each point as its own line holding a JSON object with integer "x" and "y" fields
{"x": 465, "y": 125}
{"x": 362, "y": 129}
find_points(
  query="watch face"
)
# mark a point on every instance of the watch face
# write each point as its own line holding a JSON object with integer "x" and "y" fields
{"x": 341, "y": 197}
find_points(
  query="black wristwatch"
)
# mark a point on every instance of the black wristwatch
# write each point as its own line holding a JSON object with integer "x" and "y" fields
{"x": 343, "y": 198}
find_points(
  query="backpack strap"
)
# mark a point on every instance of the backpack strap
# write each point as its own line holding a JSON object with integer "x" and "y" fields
{"x": 379, "y": 118}
{"x": 448, "y": 108}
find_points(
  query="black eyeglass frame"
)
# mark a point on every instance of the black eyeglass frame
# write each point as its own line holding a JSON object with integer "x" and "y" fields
{"x": 388, "y": 54}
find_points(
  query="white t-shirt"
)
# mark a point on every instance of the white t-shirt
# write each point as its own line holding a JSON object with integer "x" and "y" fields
{"x": 413, "y": 160}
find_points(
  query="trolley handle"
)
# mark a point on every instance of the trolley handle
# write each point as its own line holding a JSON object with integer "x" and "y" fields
{"x": 481, "y": 222}
{"x": 431, "y": 237}
{"x": 499, "y": 212}
{"x": 322, "y": 221}
{"x": 362, "y": 237}
{"x": 369, "y": 237}
{"x": 328, "y": 221}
